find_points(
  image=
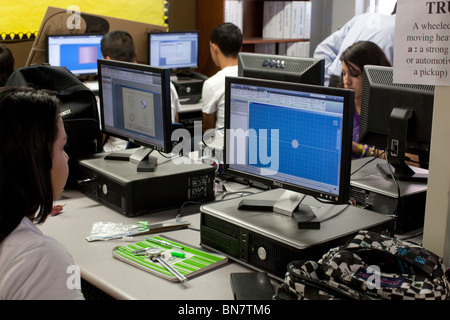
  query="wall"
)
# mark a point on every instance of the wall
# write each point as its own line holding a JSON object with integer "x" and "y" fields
{"x": 436, "y": 235}
{"x": 182, "y": 15}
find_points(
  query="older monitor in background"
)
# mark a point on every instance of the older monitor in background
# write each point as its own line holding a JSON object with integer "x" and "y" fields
{"x": 77, "y": 52}
{"x": 398, "y": 118}
{"x": 288, "y": 135}
{"x": 174, "y": 50}
{"x": 135, "y": 106}
{"x": 282, "y": 68}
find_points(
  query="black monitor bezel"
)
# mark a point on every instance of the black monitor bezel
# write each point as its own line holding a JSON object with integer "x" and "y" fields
{"x": 165, "y": 76}
{"x": 344, "y": 183}
{"x": 197, "y": 32}
{"x": 69, "y": 35}
{"x": 375, "y": 119}
{"x": 270, "y": 66}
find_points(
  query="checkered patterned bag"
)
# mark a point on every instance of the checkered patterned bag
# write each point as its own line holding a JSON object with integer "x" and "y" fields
{"x": 370, "y": 266}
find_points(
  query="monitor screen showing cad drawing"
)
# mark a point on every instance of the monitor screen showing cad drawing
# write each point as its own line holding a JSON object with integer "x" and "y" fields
{"x": 138, "y": 111}
{"x": 298, "y": 135}
{"x": 135, "y": 103}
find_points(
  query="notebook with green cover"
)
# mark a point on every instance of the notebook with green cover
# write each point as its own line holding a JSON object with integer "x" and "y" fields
{"x": 187, "y": 260}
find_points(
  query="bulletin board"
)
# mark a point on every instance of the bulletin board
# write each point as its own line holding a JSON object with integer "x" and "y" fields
{"x": 24, "y": 18}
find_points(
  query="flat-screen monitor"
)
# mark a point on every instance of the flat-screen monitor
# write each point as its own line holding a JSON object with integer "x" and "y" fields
{"x": 135, "y": 106}
{"x": 397, "y": 118}
{"x": 77, "y": 52}
{"x": 281, "y": 68}
{"x": 174, "y": 50}
{"x": 289, "y": 135}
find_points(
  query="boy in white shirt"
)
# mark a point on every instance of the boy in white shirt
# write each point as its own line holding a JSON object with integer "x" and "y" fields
{"x": 225, "y": 44}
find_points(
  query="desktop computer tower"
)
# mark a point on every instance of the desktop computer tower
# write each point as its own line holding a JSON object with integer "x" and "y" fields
{"x": 188, "y": 87}
{"x": 119, "y": 186}
{"x": 370, "y": 190}
{"x": 268, "y": 241}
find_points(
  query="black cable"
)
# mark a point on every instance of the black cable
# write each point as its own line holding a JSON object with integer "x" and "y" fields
{"x": 365, "y": 164}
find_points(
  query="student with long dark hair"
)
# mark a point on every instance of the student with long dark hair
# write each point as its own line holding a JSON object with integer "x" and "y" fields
{"x": 353, "y": 60}
{"x": 33, "y": 173}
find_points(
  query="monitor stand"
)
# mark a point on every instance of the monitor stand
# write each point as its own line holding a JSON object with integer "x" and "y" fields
{"x": 145, "y": 162}
{"x": 289, "y": 203}
{"x": 402, "y": 172}
{"x": 398, "y": 133}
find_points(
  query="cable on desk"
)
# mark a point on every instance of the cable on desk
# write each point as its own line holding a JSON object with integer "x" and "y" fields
{"x": 226, "y": 194}
{"x": 336, "y": 214}
{"x": 179, "y": 215}
{"x": 395, "y": 214}
{"x": 365, "y": 164}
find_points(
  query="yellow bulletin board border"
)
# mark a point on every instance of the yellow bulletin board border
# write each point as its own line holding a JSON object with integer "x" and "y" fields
{"x": 24, "y": 18}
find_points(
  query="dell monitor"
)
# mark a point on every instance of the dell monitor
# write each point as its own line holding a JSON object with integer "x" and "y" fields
{"x": 135, "y": 106}
{"x": 174, "y": 50}
{"x": 397, "y": 118}
{"x": 289, "y": 135}
{"x": 281, "y": 68}
{"x": 77, "y": 52}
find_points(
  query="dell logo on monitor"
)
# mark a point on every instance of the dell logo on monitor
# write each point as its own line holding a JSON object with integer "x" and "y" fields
{"x": 279, "y": 64}
{"x": 277, "y": 184}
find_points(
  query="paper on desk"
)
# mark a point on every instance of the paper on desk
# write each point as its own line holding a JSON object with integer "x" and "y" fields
{"x": 113, "y": 230}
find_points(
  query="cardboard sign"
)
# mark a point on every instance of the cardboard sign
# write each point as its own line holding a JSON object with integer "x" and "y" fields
{"x": 422, "y": 42}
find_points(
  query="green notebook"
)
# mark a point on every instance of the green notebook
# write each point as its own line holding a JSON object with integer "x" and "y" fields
{"x": 188, "y": 261}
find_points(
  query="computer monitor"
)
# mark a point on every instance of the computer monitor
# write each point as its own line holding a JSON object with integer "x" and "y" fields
{"x": 289, "y": 135}
{"x": 174, "y": 50}
{"x": 281, "y": 68}
{"x": 77, "y": 52}
{"x": 397, "y": 118}
{"x": 135, "y": 106}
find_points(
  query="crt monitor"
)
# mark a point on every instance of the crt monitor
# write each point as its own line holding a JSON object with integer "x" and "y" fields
{"x": 397, "y": 118}
{"x": 289, "y": 135}
{"x": 135, "y": 106}
{"x": 174, "y": 50}
{"x": 77, "y": 52}
{"x": 281, "y": 68}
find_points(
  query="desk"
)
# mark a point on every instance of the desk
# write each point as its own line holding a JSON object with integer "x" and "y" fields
{"x": 118, "y": 279}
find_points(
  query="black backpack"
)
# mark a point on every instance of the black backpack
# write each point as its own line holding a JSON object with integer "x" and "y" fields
{"x": 78, "y": 107}
{"x": 370, "y": 267}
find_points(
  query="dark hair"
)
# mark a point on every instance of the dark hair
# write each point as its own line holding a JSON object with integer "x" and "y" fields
{"x": 28, "y": 130}
{"x": 363, "y": 53}
{"x": 6, "y": 64}
{"x": 228, "y": 37}
{"x": 118, "y": 45}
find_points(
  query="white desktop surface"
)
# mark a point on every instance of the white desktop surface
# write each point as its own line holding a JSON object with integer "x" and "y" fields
{"x": 119, "y": 279}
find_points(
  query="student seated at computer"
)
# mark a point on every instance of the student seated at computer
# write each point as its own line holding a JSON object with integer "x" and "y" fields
{"x": 33, "y": 172}
{"x": 353, "y": 60}
{"x": 225, "y": 44}
{"x": 119, "y": 45}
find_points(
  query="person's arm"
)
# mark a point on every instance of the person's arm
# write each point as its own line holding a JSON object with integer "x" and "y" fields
{"x": 175, "y": 102}
{"x": 330, "y": 47}
{"x": 209, "y": 107}
{"x": 209, "y": 121}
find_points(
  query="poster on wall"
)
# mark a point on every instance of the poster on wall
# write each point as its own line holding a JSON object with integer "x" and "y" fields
{"x": 24, "y": 17}
{"x": 422, "y": 41}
